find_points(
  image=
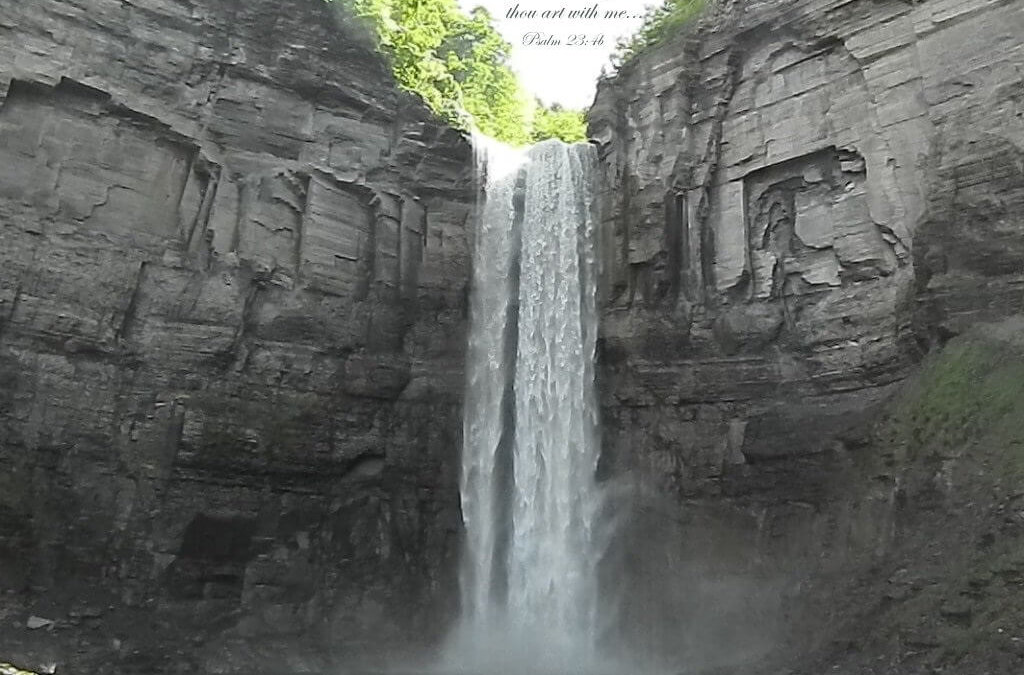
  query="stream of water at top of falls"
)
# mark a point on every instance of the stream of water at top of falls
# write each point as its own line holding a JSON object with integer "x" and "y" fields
{"x": 529, "y": 497}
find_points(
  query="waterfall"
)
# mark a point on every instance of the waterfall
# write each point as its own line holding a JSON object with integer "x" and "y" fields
{"x": 529, "y": 499}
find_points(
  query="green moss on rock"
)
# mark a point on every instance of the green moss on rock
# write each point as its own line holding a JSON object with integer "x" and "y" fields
{"x": 968, "y": 398}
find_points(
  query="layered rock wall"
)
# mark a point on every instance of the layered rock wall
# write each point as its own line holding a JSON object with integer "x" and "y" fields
{"x": 770, "y": 178}
{"x": 799, "y": 200}
{"x": 233, "y": 261}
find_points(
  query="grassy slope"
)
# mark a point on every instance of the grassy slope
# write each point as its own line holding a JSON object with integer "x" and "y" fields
{"x": 949, "y": 598}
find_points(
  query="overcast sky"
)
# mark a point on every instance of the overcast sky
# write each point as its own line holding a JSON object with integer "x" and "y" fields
{"x": 565, "y": 74}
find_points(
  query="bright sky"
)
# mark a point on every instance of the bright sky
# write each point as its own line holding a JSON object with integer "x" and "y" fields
{"x": 565, "y": 73}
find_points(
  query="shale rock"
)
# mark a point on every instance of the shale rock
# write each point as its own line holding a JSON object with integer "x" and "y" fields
{"x": 799, "y": 200}
{"x": 233, "y": 262}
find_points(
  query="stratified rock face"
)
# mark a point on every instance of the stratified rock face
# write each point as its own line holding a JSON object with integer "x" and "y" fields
{"x": 799, "y": 197}
{"x": 233, "y": 261}
{"x": 768, "y": 177}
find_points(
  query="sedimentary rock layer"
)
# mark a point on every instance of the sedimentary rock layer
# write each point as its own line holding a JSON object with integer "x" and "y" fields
{"x": 233, "y": 260}
{"x": 800, "y": 199}
{"x": 787, "y": 181}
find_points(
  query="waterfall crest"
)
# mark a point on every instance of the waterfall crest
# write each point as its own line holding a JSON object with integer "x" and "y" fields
{"x": 529, "y": 498}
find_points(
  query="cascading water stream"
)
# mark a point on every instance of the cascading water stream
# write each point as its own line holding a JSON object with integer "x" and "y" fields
{"x": 529, "y": 498}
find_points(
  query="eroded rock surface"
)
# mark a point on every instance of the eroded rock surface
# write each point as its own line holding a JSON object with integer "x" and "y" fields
{"x": 233, "y": 261}
{"x": 232, "y": 278}
{"x": 800, "y": 199}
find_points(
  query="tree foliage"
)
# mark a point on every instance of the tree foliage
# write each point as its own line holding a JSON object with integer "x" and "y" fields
{"x": 556, "y": 122}
{"x": 477, "y": 57}
{"x": 459, "y": 65}
{"x": 660, "y": 23}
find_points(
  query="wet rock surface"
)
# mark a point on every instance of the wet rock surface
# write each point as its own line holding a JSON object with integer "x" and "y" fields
{"x": 801, "y": 200}
{"x": 233, "y": 266}
{"x": 944, "y": 593}
{"x": 233, "y": 262}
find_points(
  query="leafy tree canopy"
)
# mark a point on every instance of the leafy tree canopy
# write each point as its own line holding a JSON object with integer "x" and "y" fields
{"x": 556, "y": 122}
{"x": 459, "y": 65}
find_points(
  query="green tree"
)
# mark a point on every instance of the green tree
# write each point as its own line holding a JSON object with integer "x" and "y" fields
{"x": 660, "y": 23}
{"x": 459, "y": 65}
{"x": 477, "y": 56}
{"x": 557, "y": 122}
{"x": 411, "y": 32}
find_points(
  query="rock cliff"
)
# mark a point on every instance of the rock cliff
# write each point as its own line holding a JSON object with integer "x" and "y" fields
{"x": 233, "y": 261}
{"x": 800, "y": 200}
{"x": 233, "y": 266}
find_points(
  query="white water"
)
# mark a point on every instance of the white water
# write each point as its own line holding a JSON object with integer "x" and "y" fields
{"x": 529, "y": 498}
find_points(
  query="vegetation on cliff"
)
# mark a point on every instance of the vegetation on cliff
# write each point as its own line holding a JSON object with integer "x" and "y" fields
{"x": 972, "y": 394}
{"x": 660, "y": 23}
{"x": 558, "y": 122}
{"x": 459, "y": 65}
{"x": 948, "y": 458}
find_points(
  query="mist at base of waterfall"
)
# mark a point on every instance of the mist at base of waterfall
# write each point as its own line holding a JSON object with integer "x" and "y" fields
{"x": 504, "y": 648}
{"x": 530, "y": 501}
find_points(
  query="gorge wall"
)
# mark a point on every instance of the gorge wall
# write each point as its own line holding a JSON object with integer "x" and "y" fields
{"x": 800, "y": 200}
{"x": 233, "y": 270}
{"x": 233, "y": 263}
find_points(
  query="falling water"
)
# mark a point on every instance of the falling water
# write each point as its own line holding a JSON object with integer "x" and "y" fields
{"x": 529, "y": 499}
